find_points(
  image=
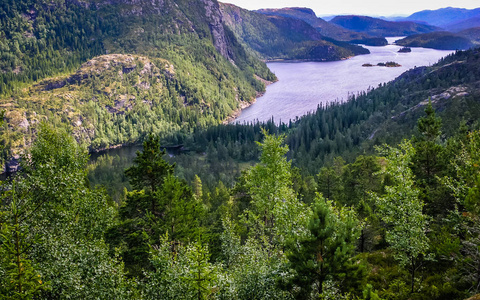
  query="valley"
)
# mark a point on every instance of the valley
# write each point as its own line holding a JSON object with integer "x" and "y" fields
{"x": 351, "y": 170}
{"x": 321, "y": 83}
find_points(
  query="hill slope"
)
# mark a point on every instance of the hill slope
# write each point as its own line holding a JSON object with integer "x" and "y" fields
{"x": 325, "y": 28}
{"x": 48, "y": 72}
{"x": 389, "y": 113}
{"x": 276, "y": 37}
{"x": 465, "y": 24}
{"x": 472, "y": 34}
{"x": 441, "y": 40}
{"x": 379, "y": 27}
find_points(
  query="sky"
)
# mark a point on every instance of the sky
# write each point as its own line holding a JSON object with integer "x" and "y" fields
{"x": 358, "y": 7}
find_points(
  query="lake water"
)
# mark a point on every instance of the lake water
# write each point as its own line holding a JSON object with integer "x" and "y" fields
{"x": 303, "y": 86}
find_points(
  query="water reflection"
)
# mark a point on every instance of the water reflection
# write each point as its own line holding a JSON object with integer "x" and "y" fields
{"x": 303, "y": 86}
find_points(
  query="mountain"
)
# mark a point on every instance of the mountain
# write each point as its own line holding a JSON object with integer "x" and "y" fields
{"x": 441, "y": 40}
{"x": 465, "y": 24}
{"x": 472, "y": 34}
{"x": 277, "y": 37}
{"x": 443, "y": 17}
{"x": 378, "y": 27}
{"x": 112, "y": 71}
{"x": 325, "y": 28}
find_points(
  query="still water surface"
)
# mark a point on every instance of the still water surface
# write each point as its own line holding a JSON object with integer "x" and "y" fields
{"x": 303, "y": 86}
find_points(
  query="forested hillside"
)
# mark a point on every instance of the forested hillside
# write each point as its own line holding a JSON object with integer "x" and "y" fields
{"x": 373, "y": 198}
{"x": 441, "y": 40}
{"x": 112, "y": 72}
{"x": 436, "y": 108}
{"x": 278, "y": 37}
{"x": 381, "y": 28}
{"x": 400, "y": 225}
{"x": 325, "y": 28}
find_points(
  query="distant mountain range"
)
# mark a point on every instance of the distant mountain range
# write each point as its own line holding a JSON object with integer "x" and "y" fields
{"x": 381, "y": 28}
{"x": 423, "y": 29}
{"x": 465, "y": 24}
{"x": 449, "y": 18}
{"x": 323, "y": 27}
{"x": 274, "y": 37}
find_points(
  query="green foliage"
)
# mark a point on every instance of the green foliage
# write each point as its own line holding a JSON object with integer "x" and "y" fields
{"x": 274, "y": 209}
{"x": 185, "y": 273}
{"x": 20, "y": 278}
{"x": 160, "y": 204}
{"x": 465, "y": 186}
{"x": 326, "y": 253}
{"x": 254, "y": 268}
{"x": 150, "y": 169}
{"x": 429, "y": 163}
{"x": 401, "y": 209}
{"x": 65, "y": 221}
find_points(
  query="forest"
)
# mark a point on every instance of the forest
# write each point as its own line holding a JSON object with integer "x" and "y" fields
{"x": 254, "y": 212}
{"x": 374, "y": 198}
{"x": 100, "y": 70}
{"x": 401, "y": 223}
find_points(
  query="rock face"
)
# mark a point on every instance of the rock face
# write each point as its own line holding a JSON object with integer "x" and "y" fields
{"x": 215, "y": 19}
{"x": 12, "y": 165}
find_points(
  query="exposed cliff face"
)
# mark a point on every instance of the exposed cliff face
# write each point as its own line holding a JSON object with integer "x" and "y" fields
{"x": 215, "y": 19}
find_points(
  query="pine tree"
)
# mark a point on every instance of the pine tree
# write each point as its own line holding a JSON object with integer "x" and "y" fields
{"x": 327, "y": 253}
{"x": 402, "y": 210}
{"x": 20, "y": 278}
{"x": 150, "y": 169}
{"x": 428, "y": 163}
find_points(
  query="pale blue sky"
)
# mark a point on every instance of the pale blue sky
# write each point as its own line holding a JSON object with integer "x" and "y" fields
{"x": 361, "y": 7}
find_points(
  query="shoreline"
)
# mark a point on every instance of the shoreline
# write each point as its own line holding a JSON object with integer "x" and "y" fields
{"x": 236, "y": 113}
{"x": 284, "y": 60}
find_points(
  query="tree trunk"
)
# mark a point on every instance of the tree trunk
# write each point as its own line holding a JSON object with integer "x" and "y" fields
{"x": 413, "y": 274}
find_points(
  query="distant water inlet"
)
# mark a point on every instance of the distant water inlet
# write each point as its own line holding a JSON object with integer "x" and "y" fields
{"x": 303, "y": 86}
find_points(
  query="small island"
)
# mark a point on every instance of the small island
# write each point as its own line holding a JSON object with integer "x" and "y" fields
{"x": 405, "y": 50}
{"x": 388, "y": 64}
